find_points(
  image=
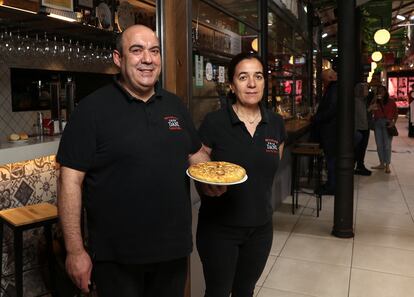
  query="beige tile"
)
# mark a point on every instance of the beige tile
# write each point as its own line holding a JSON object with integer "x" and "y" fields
{"x": 279, "y": 241}
{"x": 328, "y": 251}
{"x": 376, "y": 284}
{"x": 284, "y": 222}
{"x": 384, "y": 219}
{"x": 309, "y": 278}
{"x": 269, "y": 264}
{"x": 266, "y": 292}
{"x": 386, "y": 237}
{"x": 383, "y": 259}
{"x": 378, "y": 204}
{"x": 314, "y": 227}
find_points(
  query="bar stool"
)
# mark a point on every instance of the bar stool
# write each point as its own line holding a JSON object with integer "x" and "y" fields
{"x": 25, "y": 218}
{"x": 315, "y": 154}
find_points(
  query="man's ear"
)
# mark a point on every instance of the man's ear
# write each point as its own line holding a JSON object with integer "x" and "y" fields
{"x": 116, "y": 56}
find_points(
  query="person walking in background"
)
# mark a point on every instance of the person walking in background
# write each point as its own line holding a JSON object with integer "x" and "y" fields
{"x": 385, "y": 115}
{"x": 235, "y": 230}
{"x": 123, "y": 157}
{"x": 361, "y": 128}
{"x": 324, "y": 121}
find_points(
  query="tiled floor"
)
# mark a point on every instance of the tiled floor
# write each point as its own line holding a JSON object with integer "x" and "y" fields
{"x": 306, "y": 261}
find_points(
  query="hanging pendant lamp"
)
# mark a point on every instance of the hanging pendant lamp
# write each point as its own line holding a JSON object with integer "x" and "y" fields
{"x": 382, "y": 36}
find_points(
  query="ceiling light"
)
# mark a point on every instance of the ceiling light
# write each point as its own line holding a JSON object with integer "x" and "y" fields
{"x": 382, "y": 36}
{"x": 324, "y": 35}
{"x": 411, "y": 65}
{"x": 411, "y": 17}
{"x": 255, "y": 45}
{"x": 400, "y": 17}
{"x": 373, "y": 66}
{"x": 334, "y": 49}
{"x": 16, "y": 8}
{"x": 369, "y": 79}
{"x": 329, "y": 46}
{"x": 61, "y": 17}
{"x": 305, "y": 9}
{"x": 376, "y": 56}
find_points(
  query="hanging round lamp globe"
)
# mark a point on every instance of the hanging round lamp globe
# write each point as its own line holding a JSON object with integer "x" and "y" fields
{"x": 376, "y": 56}
{"x": 255, "y": 45}
{"x": 382, "y": 36}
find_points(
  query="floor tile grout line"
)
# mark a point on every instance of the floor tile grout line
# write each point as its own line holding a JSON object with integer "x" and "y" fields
{"x": 383, "y": 272}
{"x": 314, "y": 261}
{"x": 383, "y": 246}
{"x": 294, "y": 292}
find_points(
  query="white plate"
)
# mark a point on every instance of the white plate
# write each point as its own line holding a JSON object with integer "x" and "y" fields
{"x": 20, "y": 141}
{"x": 219, "y": 184}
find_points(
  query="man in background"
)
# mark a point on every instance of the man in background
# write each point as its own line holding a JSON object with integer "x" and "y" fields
{"x": 324, "y": 122}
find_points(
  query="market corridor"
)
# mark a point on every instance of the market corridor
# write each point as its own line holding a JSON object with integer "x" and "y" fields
{"x": 379, "y": 262}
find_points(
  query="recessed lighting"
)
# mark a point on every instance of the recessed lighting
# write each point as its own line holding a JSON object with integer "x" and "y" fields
{"x": 400, "y": 17}
{"x": 324, "y": 35}
{"x": 329, "y": 46}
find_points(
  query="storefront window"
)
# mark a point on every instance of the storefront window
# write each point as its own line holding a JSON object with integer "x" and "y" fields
{"x": 287, "y": 68}
{"x": 216, "y": 38}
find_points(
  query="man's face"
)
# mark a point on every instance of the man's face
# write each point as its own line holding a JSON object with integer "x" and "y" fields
{"x": 140, "y": 62}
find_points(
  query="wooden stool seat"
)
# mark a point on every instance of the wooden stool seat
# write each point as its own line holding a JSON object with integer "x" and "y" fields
{"x": 312, "y": 151}
{"x": 24, "y": 218}
{"x": 30, "y": 214}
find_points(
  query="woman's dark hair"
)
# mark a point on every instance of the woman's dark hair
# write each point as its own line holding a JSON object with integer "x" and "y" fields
{"x": 233, "y": 64}
{"x": 386, "y": 95}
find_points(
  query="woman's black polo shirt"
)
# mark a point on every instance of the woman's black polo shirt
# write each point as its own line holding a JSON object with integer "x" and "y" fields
{"x": 249, "y": 203}
{"x": 135, "y": 190}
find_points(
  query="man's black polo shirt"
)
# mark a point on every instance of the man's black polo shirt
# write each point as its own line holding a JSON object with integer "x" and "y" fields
{"x": 249, "y": 203}
{"x": 135, "y": 155}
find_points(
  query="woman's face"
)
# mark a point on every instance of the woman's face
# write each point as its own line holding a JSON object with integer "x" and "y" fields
{"x": 248, "y": 82}
{"x": 381, "y": 93}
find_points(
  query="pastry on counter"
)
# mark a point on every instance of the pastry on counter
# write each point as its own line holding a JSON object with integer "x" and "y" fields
{"x": 14, "y": 137}
{"x": 23, "y": 136}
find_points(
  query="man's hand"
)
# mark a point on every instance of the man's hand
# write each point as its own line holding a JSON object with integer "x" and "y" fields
{"x": 79, "y": 268}
{"x": 210, "y": 190}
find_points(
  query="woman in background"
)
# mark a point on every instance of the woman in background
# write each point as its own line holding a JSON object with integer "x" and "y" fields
{"x": 235, "y": 230}
{"x": 385, "y": 115}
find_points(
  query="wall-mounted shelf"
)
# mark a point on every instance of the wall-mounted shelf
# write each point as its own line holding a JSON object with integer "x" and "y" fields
{"x": 31, "y": 23}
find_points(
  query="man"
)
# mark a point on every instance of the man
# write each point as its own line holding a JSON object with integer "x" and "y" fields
{"x": 123, "y": 157}
{"x": 361, "y": 128}
{"x": 325, "y": 122}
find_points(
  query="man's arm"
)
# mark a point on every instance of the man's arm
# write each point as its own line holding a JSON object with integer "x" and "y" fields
{"x": 78, "y": 262}
{"x": 203, "y": 155}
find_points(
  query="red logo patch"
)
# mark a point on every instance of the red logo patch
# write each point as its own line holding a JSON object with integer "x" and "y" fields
{"x": 172, "y": 122}
{"x": 272, "y": 146}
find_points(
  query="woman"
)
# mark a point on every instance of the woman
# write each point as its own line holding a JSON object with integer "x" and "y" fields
{"x": 235, "y": 230}
{"x": 385, "y": 115}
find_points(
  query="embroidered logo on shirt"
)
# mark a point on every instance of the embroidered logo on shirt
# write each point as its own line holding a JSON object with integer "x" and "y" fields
{"x": 272, "y": 146}
{"x": 172, "y": 122}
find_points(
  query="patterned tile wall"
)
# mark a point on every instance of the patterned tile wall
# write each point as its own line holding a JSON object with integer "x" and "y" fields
{"x": 26, "y": 183}
{"x": 23, "y": 121}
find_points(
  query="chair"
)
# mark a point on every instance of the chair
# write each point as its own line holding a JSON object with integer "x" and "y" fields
{"x": 315, "y": 154}
{"x": 25, "y": 218}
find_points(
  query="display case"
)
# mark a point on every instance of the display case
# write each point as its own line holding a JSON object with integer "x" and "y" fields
{"x": 399, "y": 86}
{"x": 287, "y": 64}
{"x": 218, "y": 33}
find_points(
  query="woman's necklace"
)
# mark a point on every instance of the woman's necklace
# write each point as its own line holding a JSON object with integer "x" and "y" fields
{"x": 251, "y": 122}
